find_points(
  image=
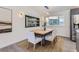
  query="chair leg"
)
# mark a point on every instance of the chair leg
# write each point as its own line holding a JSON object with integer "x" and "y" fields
{"x": 27, "y": 44}
{"x": 34, "y": 46}
{"x": 41, "y": 43}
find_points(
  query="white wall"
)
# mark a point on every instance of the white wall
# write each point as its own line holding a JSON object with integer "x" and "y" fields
{"x": 18, "y": 26}
{"x": 65, "y": 29}
{"x": 5, "y": 15}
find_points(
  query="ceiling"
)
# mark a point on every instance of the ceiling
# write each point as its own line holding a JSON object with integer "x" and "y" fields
{"x": 53, "y": 9}
{"x": 45, "y": 12}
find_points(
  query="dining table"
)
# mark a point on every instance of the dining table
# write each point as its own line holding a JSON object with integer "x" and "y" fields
{"x": 42, "y": 33}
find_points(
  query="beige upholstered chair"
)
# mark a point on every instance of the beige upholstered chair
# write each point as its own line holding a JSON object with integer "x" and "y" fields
{"x": 51, "y": 37}
{"x": 33, "y": 39}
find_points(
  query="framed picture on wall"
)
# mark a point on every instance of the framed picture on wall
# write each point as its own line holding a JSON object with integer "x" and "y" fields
{"x": 5, "y": 20}
{"x": 31, "y": 21}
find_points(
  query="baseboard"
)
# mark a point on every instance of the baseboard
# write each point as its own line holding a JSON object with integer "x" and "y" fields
{"x": 63, "y": 37}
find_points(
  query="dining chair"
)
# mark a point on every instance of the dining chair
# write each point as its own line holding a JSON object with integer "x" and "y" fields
{"x": 51, "y": 36}
{"x": 33, "y": 39}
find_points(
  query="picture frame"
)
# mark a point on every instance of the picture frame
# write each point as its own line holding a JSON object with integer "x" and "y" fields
{"x": 31, "y": 21}
{"x": 5, "y": 20}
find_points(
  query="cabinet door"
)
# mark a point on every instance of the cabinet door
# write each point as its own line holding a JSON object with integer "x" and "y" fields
{"x": 77, "y": 43}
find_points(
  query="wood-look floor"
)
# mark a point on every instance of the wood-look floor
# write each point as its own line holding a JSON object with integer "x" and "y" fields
{"x": 61, "y": 44}
{"x": 56, "y": 46}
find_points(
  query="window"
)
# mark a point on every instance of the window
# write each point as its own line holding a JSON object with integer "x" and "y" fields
{"x": 56, "y": 20}
{"x": 53, "y": 22}
{"x": 61, "y": 21}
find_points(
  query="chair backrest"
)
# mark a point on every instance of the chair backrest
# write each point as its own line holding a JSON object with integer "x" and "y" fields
{"x": 30, "y": 36}
{"x": 53, "y": 34}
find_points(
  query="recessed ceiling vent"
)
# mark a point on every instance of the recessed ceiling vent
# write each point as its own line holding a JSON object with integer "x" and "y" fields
{"x": 46, "y": 7}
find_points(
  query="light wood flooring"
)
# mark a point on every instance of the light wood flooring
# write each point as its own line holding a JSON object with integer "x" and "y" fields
{"x": 60, "y": 46}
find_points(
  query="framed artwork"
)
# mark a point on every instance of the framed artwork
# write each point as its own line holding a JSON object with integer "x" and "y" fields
{"x": 5, "y": 20}
{"x": 31, "y": 21}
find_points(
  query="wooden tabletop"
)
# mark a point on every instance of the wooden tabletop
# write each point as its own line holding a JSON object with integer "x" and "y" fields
{"x": 41, "y": 31}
